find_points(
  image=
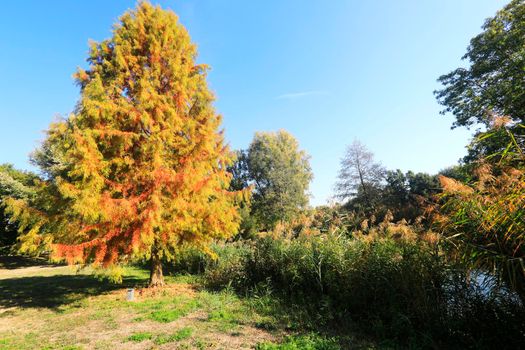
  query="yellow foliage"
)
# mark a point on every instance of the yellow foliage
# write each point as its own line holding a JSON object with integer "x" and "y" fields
{"x": 141, "y": 163}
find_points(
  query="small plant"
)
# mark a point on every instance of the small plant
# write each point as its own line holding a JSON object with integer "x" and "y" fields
{"x": 140, "y": 337}
{"x": 183, "y": 333}
{"x": 306, "y": 342}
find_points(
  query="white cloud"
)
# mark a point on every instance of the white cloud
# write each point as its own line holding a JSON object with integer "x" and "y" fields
{"x": 296, "y": 95}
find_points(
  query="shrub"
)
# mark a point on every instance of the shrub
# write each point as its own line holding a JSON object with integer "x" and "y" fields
{"x": 229, "y": 268}
{"x": 388, "y": 282}
{"x": 383, "y": 283}
{"x": 485, "y": 218}
{"x": 189, "y": 260}
{"x": 486, "y": 221}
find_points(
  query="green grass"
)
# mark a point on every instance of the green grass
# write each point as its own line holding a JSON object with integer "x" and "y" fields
{"x": 140, "y": 337}
{"x": 305, "y": 342}
{"x": 226, "y": 311}
{"x": 165, "y": 310}
{"x": 166, "y": 316}
{"x": 181, "y": 334}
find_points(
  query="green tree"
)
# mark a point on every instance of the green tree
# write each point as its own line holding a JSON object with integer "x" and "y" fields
{"x": 422, "y": 184}
{"x": 495, "y": 80}
{"x": 241, "y": 182}
{"x": 139, "y": 168}
{"x": 494, "y": 83}
{"x": 407, "y": 195}
{"x": 280, "y": 174}
{"x": 240, "y": 172}
{"x": 13, "y": 184}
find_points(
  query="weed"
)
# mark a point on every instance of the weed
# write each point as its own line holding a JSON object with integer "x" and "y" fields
{"x": 305, "y": 342}
{"x": 140, "y": 337}
{"x": 181, "y": 334}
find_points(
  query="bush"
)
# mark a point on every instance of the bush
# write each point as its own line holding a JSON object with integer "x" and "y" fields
{"x": 189, "y": 260}
{"x": 388, "y": 283}
{"x": 382, "y": 284}
{"x": 230, "y": 266}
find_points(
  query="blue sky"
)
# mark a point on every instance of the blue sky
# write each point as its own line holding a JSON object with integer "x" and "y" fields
{"x": 326, "y": 71}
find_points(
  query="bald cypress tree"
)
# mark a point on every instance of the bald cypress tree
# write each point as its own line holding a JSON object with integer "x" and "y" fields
{"x": 140, "y": 166}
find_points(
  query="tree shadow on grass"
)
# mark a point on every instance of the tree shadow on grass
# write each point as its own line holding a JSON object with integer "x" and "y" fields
{"x": 55, "y": 291}
{"x": 11, "y": 262}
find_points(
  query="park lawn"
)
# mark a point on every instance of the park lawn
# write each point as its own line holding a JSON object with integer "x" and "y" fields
{"x": 57, "y": 307}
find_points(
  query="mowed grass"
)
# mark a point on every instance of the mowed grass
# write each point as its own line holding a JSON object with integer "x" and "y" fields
{"x": 57, "y": 307}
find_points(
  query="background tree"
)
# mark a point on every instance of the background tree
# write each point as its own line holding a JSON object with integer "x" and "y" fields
{"x": 241, "y": 182}
{"x": 140, "y": 167}
{"x": 13, "y": 184}
{"x": 494, "y": 83}
{"x": 240, "y": 171}
{"x": 360, "y": 177}
{"x": 280, "y": 174}
{"x": 408, "y": 194}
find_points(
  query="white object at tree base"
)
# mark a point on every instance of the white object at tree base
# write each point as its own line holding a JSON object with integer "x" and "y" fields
{"x": 131, "y": 294}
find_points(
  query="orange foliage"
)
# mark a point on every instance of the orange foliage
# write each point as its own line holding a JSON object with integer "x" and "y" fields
{"x": 142, "y": 162}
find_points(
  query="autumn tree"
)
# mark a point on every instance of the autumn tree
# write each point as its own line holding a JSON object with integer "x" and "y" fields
{"x": 280, "y": 174}
{"x": 140, "y": 166}
{"x": 360, "y": 176}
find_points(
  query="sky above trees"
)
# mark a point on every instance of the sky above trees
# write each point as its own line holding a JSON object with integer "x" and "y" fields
{"x": 328, "y": 72}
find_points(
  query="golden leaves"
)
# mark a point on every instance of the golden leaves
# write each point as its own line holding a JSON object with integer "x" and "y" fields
{"x": 142, "y": 159}
{"x": 453, "y": 186}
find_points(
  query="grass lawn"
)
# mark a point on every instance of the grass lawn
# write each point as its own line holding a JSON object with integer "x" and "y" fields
{"x": 55, "y": 307}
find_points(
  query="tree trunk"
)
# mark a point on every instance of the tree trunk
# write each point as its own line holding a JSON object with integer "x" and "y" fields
{"x": 156, "y": 278}
{"x": 365, "y": 192}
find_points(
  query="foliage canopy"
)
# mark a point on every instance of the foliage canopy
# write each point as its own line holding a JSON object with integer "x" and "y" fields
{"x": 140, "y": 166}
{"x": 360, "y": 175}
{"x": 13, "y": 184}
{"x": 495, "y": 81}
{"x": 280, "y": 174}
